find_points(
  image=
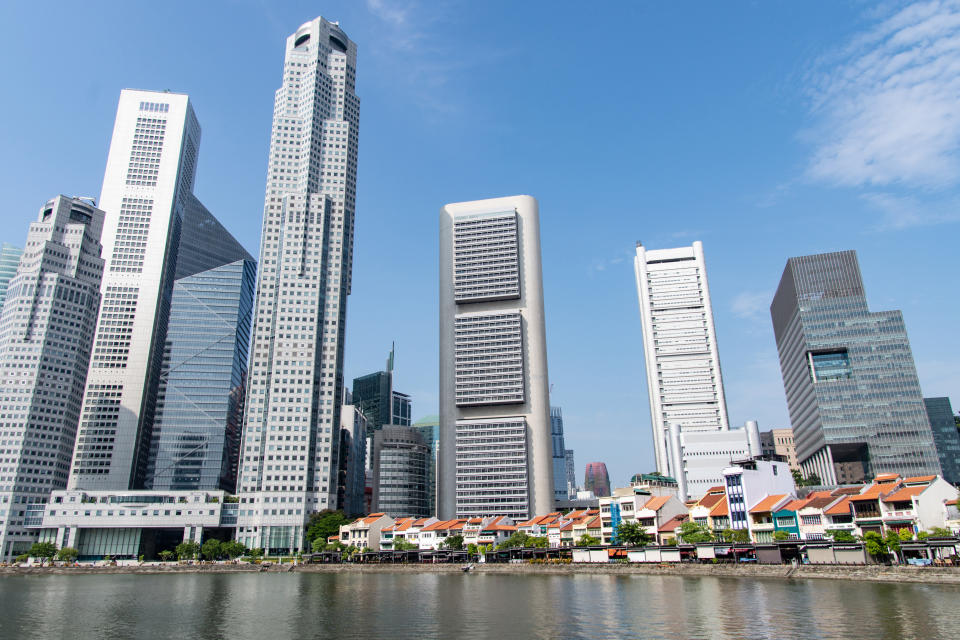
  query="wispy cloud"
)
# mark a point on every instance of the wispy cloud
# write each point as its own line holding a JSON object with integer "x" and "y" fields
{"x": 751, "y": 305}
{"x": 886, "y": 104}
{"x": 901, "y": 212}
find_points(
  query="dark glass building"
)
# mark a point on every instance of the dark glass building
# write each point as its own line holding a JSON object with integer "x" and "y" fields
{"x": 560, "y": 491}
{"x": 429, "y": 428}
{"x": 372, "y": 395}
{"x": 849, "y": 376}
{"x": 945, "y": 436}
{"x": 195, "y": 441}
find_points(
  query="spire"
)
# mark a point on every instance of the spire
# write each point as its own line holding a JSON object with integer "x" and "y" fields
{"x": 393, "y": 345}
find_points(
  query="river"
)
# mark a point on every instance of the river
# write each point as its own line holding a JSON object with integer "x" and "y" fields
{"x": 275, "y": 606}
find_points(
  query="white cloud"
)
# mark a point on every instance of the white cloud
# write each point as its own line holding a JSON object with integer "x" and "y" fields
{"x": 901, "y": 212}
{"x": 751, "y": 305}
{"x": 887, "y": 103}
{"x": 390, "y": 12}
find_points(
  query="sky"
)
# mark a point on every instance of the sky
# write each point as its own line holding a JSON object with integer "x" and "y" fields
{"x": 763, "y": 129}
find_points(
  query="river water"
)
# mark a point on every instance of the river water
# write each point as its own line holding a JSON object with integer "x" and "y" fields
{"x": 272, "y": 606}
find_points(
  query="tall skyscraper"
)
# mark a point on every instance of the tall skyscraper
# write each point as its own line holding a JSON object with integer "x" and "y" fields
{"x": 295, "y": 389}
{"x": 9, "y": 261}
{"x": 147, "y": 187}
{"x": 401, "y": 461}
{"x": 353, "y": 460}
{"x": 495, "y": 454}
{"x": 560, "y": 489}
{"x": 429, "y": 428}
{"x": 46, "y": 332}
{"x": 196, "y": 430}
{"x": 571, "y": 472}
{"x": 596, "y": 479}
{"x": 945, "y": 436}
{"x": 684, "y": 384}
{"x": 849, "y": 376}
{"x": 380, "y": 403}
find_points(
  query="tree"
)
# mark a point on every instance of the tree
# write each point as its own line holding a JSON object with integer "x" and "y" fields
{"x": 840, "y": 535}
{"x": 892, "y": 541}
{"x": 472, "y": 549}
{"x": 633, "y": 534}
{"x": 68, "y": 554}
{"x": 318, "y": 544}
{"x": 255, "y": 554}
{"x": 166, "y": 555}
{"x": 780, "y": 536}
{"x": 402, "y": 544}
{"x": 326, "y": 523}
{"x": 813, "y": 480}
{"x": 876, "y": 545}
{"x": 905, "y": 535}
{"x": 233, "y": 549}
{"x": 521, "y": 539}
{"x": 940, "y": 532}
{"x": 454, "y": 542}
{"x": 587, "y": 540}
{"x": 187, "y": 550}
{"x": 211, "y": 549}
{"x": 692, "y": 532}
{"x": 43, "y": 550}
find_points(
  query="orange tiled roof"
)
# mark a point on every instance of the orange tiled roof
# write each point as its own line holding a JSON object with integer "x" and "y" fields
{"x": 848, "y": 491}
{"x": 887, "y": 477}
{"x": 720, "y": 509}
{"x": 654, "y": 504}
{"x": 567, "y": 527}
{"x": 916, "y": 479}
{"x": 499, "y": 527}
{"x": 820, "y": 494}
{"x": 905, "y": 493}
{"x": 672, "y": 523}
{"x": 794, "y": 505}
{"x": 711, "y": 499}
{"x": 439, "y": 525}
{"x": 842, "y": 507}
{"x": 872, "y": 492}
{"x": 768, "y": 503}
{"x": 953, "y": 502}
{"x": 373, "y": 517}
{"x": 819, "y": 502}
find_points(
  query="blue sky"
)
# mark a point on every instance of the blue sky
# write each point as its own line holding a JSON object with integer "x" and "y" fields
{"x": 764, "y": 129}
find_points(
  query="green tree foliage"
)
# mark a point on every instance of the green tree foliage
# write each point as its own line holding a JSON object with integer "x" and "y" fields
{"x": 875, "y": 544}
{"x": 68, "y": 554}
{"x": 521, "y": 539}
{"x": 840, "y": 535}
{"x": 923, "y": 535}
{"x": 940, "y": 532}
{"x": 472, "y": 548}
{"x": 780, "y": 536}
{"x": 633, "y": 534}
{"x": 692, "y": 533}
{"x": 587, "y": 540}
{"x": 187, "y": 550}
{"x": 212, "y": 549}
{"x": 23, "y": 557}
{"x": 326, "y": 523}
{"x": 402, "y": 544}
{"x": 166, "y": 555}
{"x": 255, "y": 554}
{"x": 735, "y": 535}
{"x": 892, "y": 541}
{"x": 233, "y": 549}
{"x": 905, "y": 535}
{"x": 43, "y": 550}
{"x": 454, "y": 542}
{"x": 813, "y": 480}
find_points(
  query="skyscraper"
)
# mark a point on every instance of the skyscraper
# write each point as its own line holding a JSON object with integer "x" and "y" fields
{"x": 196, "y": 431}
{"x": 9, "y": 260}
{"x": 380, "y": 403}
{"x": 851, "y": 384}
{"x": 945, "y": 436}
{"x": 46, "y": 332}
{"x": 353, "y": 461}
{"x": 560, "y": 489}
{"x": 147, "y": 187}
{"x": 295, "y": 388}
{"x": 571, "y": 472}
{"x": 401, "y": 460}
{"x": 596, "y": 479}
{"x": 684, "y": 384}
{"x": 495, "y": 453}
{"x": 429, "y": 428}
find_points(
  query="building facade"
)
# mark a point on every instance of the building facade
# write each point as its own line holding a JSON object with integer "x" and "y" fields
{"x": 779, "y": 442}
{"x": 147, "y": 187}
{"x": 373, "y": 395}
{"x": 353, "y": 461}
{"x": 945, "y": 436}
{"x": 495, "y": 455}
{"x": 850, "y": 380}
{"x": 195, "y": 441}
{"x": 291, "y": 425}
{"x": 561, "y": 484}
{"x": 703, "y": 455}
{"x": 429, "y": 428}
{"x": 684, "y": 383}
{"x": 401, "y": 459}
{"x": 46, "y": 333}
{"x": 570, "y": 467}
{"x": 596, "y": 479}
{"x": 9, "y": 261}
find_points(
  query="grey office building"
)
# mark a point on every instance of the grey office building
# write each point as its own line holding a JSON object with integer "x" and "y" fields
{"x": 560, "y": 488}
{"x": 429, "y": 428}
{"x": 945, "y": 436}
{"x": 9, "y": 260}
{"x": 851, "y": 384}
{"x": 400, "y": 462}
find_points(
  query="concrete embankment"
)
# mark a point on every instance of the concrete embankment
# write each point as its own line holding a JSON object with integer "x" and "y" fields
{"x": 872, "y": 573}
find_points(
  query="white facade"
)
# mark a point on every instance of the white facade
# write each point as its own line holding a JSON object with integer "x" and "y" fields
{"x": 495, "y": 449}
{"x": 146, "y": 188}
{"x": 288, "y": 459}
{"x": 46, "y": 331}
{"x": 749, "y": 482}
{"x": 705, "y": 454}
{"x": 680, "y": 346}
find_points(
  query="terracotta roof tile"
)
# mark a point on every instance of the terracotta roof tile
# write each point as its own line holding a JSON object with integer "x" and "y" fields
{"x": 904, "y": 494}
{"x": 919, "y": 479}
{"x": 819, "y": 502}
{"x": 720, "y": 509}
{"x": 711, "y": 499}
{"x": 672, "y": 523}
{"x": 655, "y": 504}
{"x": 886, "y": 477}
{"x": 842, "y": 507}
{"x": 768, "y": 503}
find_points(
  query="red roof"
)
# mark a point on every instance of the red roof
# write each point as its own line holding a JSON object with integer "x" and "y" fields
{"x": 655, "y": 504}
{"x": 711, "y": 499}
{"x": 842, "y": 507}
{"x": 916, "y": 479}
{"x": 768, "y": 503}
{"x": 373, "y": 517}
{"x": 904, "y": 494}
{"x": 721, "y": 509}
{"x": 887, "y": 477}
{"x": 672, "y": 523}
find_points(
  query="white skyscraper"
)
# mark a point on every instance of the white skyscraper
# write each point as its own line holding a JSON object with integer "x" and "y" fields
{"x": 288, "y": 463}
{"x": 46, "y": 332}
{"x": 680, "y": 344}
{"x": 147, "y": 185}
{"x": 495, "y": 448}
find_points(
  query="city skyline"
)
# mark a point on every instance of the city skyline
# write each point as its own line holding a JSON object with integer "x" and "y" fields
{"x": 770, "y": 184}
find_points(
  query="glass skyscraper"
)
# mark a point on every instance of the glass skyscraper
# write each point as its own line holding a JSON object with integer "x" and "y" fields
{"x": 560, "y": 489}
{"x": 850, "y": 380}
{"x": 9, "y": 260}
{"x": 401, "y": 459}
{"x": 945, "y": 436}
{"x": 429, "y": 428}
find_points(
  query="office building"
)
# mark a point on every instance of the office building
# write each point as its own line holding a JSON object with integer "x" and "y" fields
{"x": 703, "y": 455}
{"x": 9, "y": 261}
{"x": 196, "y": 430}
{"x": 46, "y": 333}
{"x": 684, "y": 384}
{"x": 849, "y": 376}
{"x": 401, "y": 458}
{"x": 147, "y": 186}
{"x": 561, "y": 489}
{"x": 353, "y": 460}
{"x": 380, "y": 403}
{"x": 571, "y": 472}
{"x": 429, "y": 428}
{"x": 779, "y": 443}
{"x": 495, "y": 454}
{"x": 945, "y": 436}
{"x": 402, "y": 409}
{"x": 291, "y": 437}
{"x": 596, "y": 479}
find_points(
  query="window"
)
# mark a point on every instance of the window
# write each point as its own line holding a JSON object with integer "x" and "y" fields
{"x": 826, "y": 366}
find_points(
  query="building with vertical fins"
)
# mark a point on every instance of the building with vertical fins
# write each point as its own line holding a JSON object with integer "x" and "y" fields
{"x": 196, "y": 431}
{"x": 289, "y": 466}
{"x": 561, "y": 487}
{"x": 46, "y": 332}
{"x": 596, "y": 479}
{"x": 495, "y": 453}
{"x": 9, "y": 261}
{"x": 570, "y": 466}
{"x": 946, "y": 436}
{"x": 147, "y": 187}
{"x": 851, "y": 384}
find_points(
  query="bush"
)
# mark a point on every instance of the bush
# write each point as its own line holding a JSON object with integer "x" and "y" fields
{"x": 68, "y": 554}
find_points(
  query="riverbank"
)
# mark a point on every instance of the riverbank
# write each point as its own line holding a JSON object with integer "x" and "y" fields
{"x": 869, "y": 573}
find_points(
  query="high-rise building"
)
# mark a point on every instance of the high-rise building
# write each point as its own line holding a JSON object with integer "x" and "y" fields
{"x": 401, "y": 458}
{"x": 779, "y": 443}
{"x": 46, "y": 332}
{"x": 596, "y": 479}
{"x": 429, "y": 428}
{"x": 945, "y": 436}
{"x": 291, "y": 437}
{"x": 561, "y": 490}
{"x": 402, "y": 409}
{"x": 353, "y": 461}
{"x": 849, "y": 376}
{"x": 684, "y": 384}
{"x": 571, "y": 472}
{"x": 495, "y": 455}
{"x": 9, "y": 260}
{"x": 196, "y": 429}
{"x": 147, "y": 187}
{"x": 375, "y": 396}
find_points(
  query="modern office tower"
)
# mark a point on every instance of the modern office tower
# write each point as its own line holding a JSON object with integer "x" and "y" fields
{"x": 352, "y": 460}
{"x": 401, "y": 458}
{"x": 850, "y": 381}
{"x": 495, "y": 455}
{"x": 295, "y": 387}
{"x": 199, "y": 412}
{"x": 945, "y": 436}
{"x": 147, "y": 187}
{"x": 560, "y": 486}
{"x": 779, "y": 443}
{"x": 571, "y": 472}
{"x": 429, "y": 428}
{"x": 596, "y": 479}
{"x": 46, "y": 333}
{"x": 375, "y": 396}
{"x": 680, "y": 344}
{"x": 402, "y": 409}
{"x": 9, "y": 261}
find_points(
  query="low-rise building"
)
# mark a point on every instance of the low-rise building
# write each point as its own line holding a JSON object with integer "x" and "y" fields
{"x": 748, "y": 482}
{"x": 434, "y": 536}
{"x": 917, "y": 504}
{"x": 761, "y": 516}
{"x": 407, "y": 529}
{"x": 364, "y": 533}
